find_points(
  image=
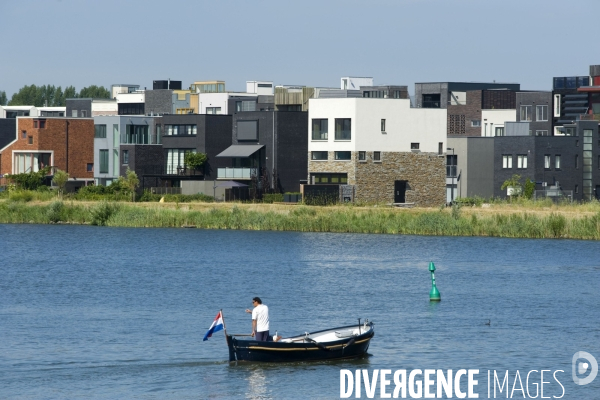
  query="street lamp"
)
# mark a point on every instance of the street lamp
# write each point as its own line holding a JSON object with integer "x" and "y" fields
{"x": 452, "y": 175}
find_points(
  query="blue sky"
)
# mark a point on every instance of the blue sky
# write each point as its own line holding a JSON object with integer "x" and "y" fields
{"x": 314, "y": 43}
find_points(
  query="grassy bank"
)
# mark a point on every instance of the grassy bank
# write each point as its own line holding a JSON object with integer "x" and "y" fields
{"x": 503, "y": 220}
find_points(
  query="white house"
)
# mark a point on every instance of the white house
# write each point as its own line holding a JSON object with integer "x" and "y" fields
{"x": 387, "y": 150}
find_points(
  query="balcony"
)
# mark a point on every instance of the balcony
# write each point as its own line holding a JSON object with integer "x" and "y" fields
{"x": 235, "y": 173}
{"x": 172, "y": 171}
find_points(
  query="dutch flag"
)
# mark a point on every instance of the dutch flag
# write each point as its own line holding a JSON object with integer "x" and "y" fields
{"x": 217, "y": 325}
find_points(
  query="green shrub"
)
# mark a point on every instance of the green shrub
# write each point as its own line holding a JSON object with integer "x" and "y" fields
{"x": 102, "y": 213}
{"x": 21, "y": 195}
{"x": 56, "y": 212}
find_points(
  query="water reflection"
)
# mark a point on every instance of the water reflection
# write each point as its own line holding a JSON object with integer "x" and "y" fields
{"x": 257, "y": 384}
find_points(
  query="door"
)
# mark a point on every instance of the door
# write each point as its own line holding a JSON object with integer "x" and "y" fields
{"x": 399, "y": 191}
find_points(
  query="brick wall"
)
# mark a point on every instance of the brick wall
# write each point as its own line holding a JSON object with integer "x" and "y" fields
{"x": 460, "y": 116}
{"x": 78, "y": 150}
{"x": 425, "y": 173}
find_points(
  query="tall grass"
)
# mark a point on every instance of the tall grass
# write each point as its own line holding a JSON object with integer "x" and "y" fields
{"x": 302, "y": 218}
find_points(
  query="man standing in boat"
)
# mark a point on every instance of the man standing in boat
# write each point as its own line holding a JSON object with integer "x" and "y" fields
{"x": 260, "y": 320}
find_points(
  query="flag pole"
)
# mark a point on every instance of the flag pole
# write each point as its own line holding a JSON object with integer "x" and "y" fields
{"x": 224, "y": 326}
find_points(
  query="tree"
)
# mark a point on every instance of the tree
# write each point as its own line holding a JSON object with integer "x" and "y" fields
{"x": 70, "y": 93}
{"x": 514, "y": 185}
{"x": 195, "y": 160}
{"x": 95, "y": 92}
{"x": 60, "y": 179}
{"x": 131, "y": 182}
{"x": 3, "y": 99}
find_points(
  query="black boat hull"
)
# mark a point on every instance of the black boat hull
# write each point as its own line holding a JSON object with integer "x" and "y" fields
{"x": 255, "y": 351}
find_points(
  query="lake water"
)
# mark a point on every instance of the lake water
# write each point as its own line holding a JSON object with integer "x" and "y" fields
{"x": 105, "y": 313}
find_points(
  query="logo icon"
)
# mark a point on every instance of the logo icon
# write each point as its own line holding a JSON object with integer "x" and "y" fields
{"x": 581, "y": 367}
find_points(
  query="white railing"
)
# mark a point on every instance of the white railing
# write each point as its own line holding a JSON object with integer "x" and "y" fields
{"x": 235, "y": 173}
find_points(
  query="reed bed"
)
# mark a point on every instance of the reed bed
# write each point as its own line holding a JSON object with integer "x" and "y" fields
{"x": 509, "y": 222}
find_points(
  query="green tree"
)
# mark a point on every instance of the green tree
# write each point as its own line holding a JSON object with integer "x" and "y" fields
{"x": 529, "y": 188}
{"x": 70, "y": 92}
{"x": 95, "y": 92}
{"x": 60, "y": 179}
{"x": 130, "y": 182}
{"x": 195, "y": 160}
{"x": 515, "y": 184}
{"x": 3, "y": 99}
{"x": 26, "y": 96}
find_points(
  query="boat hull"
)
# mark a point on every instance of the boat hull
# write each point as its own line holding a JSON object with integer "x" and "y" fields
{"x": 256, "y": 351}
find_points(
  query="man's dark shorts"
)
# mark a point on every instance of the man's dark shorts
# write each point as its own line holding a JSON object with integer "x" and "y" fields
{"x": 262, "y": 336}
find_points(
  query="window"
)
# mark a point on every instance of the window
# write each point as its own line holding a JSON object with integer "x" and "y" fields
{"x": 451, "y": 162}
{"x": 125, "y": 154}
{"x": 342, "y": 129}
{"x": 83, "y": 113}
{"x": 116, "y": 137}
{"x": 440, "y": 148}
{"x": 213, "y": 110}
{"x": 577, "y": 143}
{"x": 414, "y": 146}
{"x": 576, "y": 161}
{"x": 541, "y": 113}
{"x": 525, "y": 112}
{"x": 557, "y": 161}
{"x": 42, "y": 123}
{"x": 377, "y": 156}
{"x": 476, "y": 123}
{"x": 319, "y": 129}
{"x": 241, "y": 106}
{"x": 362, "y": 156}
{"x": 30, "y": 162}
{"x": 135, "y": 134}
{"x": 318, "y": 155}
{"x": 499, "y": 131}
{"x": 343, "y": 155}
{"x": 176, "y": 160}
{"x": 541, "y": 133}
{"x": 131, "y": 109}
{"x": 522, "y": 161}
{"x": 90, "y": 167}
{"x": 247, "y": 130}
{"x": 30, "y": 140}
{"x": 383, "y": 125}
{"x": 181, "y": 130}
{"x": 23, "y": 134}
{"x": 35, "y": 123}
{"x": 100, "y": 131}
{"x": 547, "y": 161}
{"x": 104, "y": 161}
{"x": 74, "y": 113}
{"x": 158, "y": 134}
{"x": 329, "y": 178}
{"x": 576, "y": 188}
{"x": 507, "y": 161}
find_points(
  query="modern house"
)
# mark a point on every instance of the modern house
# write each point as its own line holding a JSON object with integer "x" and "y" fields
{"x": 64, "y": 143}
{"x": 88, "y": 107}
{"x": 30, "y": 111}
{"x": 267, "y": 146}
{"x": 387, "y": 150}
{"x": 122, "y": 142}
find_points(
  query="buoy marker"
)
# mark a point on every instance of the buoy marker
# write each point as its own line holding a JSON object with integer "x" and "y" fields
{"x": 434, "y": 294}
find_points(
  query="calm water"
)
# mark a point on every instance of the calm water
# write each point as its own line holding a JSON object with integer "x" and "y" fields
{"x": 94, "y": 312}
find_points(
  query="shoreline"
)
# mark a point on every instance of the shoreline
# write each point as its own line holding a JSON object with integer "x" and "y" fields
{"x": 510, "y": 221}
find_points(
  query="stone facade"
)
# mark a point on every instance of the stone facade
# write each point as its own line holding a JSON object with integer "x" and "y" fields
{"x": 425, "y": 174}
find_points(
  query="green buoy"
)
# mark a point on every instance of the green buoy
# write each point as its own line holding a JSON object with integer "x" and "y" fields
{"x": 434, "y": 295}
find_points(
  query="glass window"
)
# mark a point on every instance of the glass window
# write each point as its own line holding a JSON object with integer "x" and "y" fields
{"x": 125, "y": 156}
{"x": 104, "y": 161}
{"x": 522, "y": 161}
{"x": 376, "y": 156}
{"x": 547, "y": 161}
{"x": 213, "y": 110}
{"x": 42, "y": 123}
{"x": 499, "y": 131}
{"x": 343, "y": 129}
{"x": 383, "y": 125}
{"x": 23, "y": 134}
{"x": 557, "y": 161}
{"x": 136, "y": 134}
{"x": 318, "y": 155}
{"x": 319, "y": 129}
{"x": 30, "y": 140}
{"x": 343, "y": 155}
{"x": 414, "y": 146}
{"x": 74, "y": 113}
{"x": 476, "y": 123}
{"x": 541, "y": 113}
{"x": 90, "y": 167}
{"x": 525, "y": 112}
{"x": 541, "y": 133}
{"x": 100, "y": 131}
{"x": 507, "y": 161}
{"x": 362, "y": 156}
{"x": 176, "y": 160}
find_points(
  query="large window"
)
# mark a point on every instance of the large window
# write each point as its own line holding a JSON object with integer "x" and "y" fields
{"x": 343, "y": 155}
{"x": 451, "y": 163}
{"x": 525, "y": 112}
{"x": 319, "y": 129}
{"x": 213, "y": 110}
{"x": 179, "y": 130}
{"x": 329, "y": 178}
{"x": 104, "y": 161}
{"x": 507, "y": 161}
{"x": 522, "y": 161}
{"x": 541, "y": 113}
{"x": 557, "y": 161}
{"x": 241, "y": 106}
{"x": 135, "y": 134}
{"x": 176, "y": 160}
{"x": 499, "y": 131}
{"x": 343, "y": 129}
{"x": 318, "y": 155}
{"x": 541, "y": 133}
{"x": 547, "y": 161}
{"x": 100, "y": 131}
{"x": 30, "y": 162}
{"x": 131, "y": 109}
